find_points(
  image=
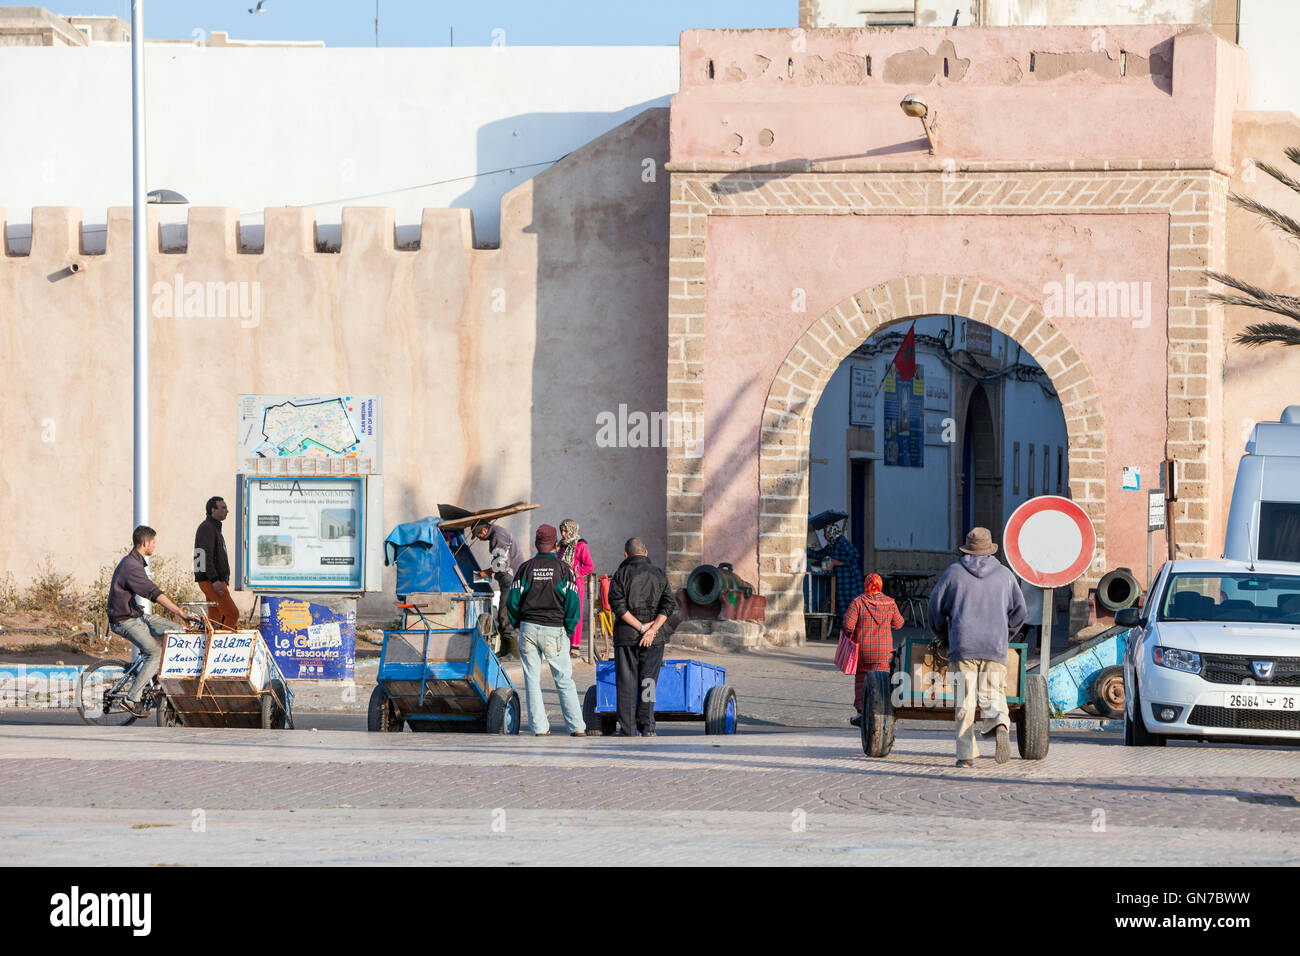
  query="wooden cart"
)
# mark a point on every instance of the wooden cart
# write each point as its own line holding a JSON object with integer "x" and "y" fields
{"x": 920, "y": 686}
{"x": 213, "y": 678}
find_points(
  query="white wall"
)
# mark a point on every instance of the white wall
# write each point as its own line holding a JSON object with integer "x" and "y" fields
{"x": 320, "y": 127}
{"x": 1268, "y": 34}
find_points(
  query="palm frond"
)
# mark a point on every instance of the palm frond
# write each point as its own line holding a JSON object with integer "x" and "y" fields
{"x": 1278, "y": 220}
{"x": 1268, "y": 333}
{"x": 1254, "y": 297}
{"x": 1277, "y": 174}
{"x": 1293, "y": 154}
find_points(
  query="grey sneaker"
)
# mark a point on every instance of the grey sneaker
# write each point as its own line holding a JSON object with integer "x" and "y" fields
{"x": 1003, "y": 753}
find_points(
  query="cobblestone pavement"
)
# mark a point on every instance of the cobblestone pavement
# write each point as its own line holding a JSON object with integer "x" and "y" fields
{"x": 792, "y": 788}
{"x": 336, "y": 796}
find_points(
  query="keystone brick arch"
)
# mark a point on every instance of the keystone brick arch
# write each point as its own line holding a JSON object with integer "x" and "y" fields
{"x": 788, "y": 411}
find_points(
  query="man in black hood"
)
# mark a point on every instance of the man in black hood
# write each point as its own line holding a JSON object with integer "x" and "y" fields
{"x": 642, "y": 602}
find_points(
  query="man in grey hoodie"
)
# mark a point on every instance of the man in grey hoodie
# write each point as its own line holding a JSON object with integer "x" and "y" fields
{"x": 977, "y": 605}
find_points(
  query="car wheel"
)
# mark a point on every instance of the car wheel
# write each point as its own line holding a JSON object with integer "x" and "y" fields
{"x": 1135, "y": 728}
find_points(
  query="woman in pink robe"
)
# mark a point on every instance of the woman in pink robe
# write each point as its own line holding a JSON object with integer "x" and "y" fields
{"x": 575, "y": 553}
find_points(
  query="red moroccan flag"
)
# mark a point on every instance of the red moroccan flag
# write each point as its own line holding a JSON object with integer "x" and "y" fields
{"x": 905, "y": 357}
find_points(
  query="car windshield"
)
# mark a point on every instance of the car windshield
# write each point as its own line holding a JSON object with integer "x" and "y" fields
{"x": 1241, "y": 598}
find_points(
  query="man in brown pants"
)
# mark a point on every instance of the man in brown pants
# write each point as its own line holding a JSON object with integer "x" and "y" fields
{"x": 212, "y": 566}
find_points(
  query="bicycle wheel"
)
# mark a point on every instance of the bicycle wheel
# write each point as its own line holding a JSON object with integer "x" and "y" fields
{"x": 101, "y": 690}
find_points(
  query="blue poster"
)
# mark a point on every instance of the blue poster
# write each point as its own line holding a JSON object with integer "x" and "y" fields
{"x": 905, "y": 419}
{"x": 309, "y": 641}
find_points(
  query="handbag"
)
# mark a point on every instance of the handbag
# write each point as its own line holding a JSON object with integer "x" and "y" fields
{"x": 846, "y": 654}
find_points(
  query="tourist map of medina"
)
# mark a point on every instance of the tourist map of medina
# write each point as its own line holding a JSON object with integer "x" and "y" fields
{"x": 309, "y": 427}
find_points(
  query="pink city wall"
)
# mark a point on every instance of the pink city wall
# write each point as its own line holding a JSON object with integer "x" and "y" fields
{"x": 755, "y": 262}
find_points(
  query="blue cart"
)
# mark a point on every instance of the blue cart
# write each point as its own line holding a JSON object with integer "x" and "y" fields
{"x": 1090, "y": 676}
{"x": 439, "y": 670}
{"x": 686, "y": 690}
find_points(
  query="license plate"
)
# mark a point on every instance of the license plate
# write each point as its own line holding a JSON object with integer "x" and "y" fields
{"x": 1259, "y": 700}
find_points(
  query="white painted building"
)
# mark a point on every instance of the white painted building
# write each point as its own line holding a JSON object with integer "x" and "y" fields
{"x": 411, "y": 128}
{"x": 990, "y": 442}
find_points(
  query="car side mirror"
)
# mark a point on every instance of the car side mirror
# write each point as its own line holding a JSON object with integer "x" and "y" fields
{"x": 1128, "y": 617}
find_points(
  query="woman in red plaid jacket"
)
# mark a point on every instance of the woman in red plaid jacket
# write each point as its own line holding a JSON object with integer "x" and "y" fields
{"x": 870, "y": 621}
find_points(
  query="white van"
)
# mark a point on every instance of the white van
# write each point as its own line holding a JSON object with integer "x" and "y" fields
{"x": 1264, "y": 517}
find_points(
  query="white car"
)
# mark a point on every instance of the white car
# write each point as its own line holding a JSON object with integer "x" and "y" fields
{"x": 1217, "y": 655}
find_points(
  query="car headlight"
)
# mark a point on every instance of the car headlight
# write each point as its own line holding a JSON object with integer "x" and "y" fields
{"x": 1174, "y": 659}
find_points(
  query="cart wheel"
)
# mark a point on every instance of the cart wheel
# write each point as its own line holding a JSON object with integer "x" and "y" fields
{"x": 1135, "y": 731}
{"x": 595, "y": 725}
{"x": 380, "y": 716}
{"x": 166, "y": 714}
{"x": 877, "y": 715}
{"x": 1108, "y": 692}
{"x": 503, "y": 711}
{"x": 720, "y": 710}
{"x": 1034, "y": 721}
{"x": 274, "y": 716}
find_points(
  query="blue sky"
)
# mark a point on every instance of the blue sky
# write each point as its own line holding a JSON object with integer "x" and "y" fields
{"x": 427, "y": 22}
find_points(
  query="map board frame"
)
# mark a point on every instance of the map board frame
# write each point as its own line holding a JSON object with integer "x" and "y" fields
{"x": 366, "y": 494}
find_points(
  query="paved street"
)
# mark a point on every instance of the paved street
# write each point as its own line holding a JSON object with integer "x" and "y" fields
{"x": 792, "y": 788}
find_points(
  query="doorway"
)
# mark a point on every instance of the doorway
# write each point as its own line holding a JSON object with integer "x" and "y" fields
{"x": 980, "y": 480}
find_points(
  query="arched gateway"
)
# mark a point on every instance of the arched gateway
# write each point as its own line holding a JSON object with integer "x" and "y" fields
{"x": 831, "y": 338}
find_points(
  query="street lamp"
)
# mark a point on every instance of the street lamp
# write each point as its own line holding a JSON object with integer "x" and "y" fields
{"x": 913, "y": 105}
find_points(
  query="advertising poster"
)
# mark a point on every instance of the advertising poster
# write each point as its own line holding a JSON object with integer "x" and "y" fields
{"x": 304, "y": 533}
{"x": 862, "y": 396}
{"x": 309, "y": 641}
{"x": 905, "y": 419}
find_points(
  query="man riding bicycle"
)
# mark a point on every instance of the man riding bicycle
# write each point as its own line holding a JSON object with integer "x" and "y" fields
{"x": 127, "y": 618}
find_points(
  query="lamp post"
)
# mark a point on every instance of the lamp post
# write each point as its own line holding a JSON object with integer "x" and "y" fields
{"x": 139, "y": 271}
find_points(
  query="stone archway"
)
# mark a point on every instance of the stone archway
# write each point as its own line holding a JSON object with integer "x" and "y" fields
{"x": 797, "y": 386}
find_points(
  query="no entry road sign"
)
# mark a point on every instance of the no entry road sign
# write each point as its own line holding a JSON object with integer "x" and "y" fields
{"x": 1049, "y": 541}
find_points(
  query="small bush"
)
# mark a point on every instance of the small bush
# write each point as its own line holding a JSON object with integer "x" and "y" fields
{"x": 50, "y": 591}
{"x": 10, "y": 597}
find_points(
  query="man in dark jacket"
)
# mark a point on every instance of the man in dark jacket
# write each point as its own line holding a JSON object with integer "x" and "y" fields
{"x": 127, "y": 619}
{"x": 212, "y": 565}
{"x": 642, "y": 602}
{"x": 978, "y": 605}
{"x": 543, "y": 604}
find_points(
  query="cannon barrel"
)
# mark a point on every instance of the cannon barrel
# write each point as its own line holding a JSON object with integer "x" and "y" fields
{"x": 709, "y": 582}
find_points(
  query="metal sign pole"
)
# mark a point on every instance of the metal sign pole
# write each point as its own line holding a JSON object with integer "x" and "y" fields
{"x": 1045, "y": 638}
{"x": 140, "y": 268}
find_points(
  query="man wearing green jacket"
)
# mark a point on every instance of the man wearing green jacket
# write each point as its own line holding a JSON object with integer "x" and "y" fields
{"x": 543, "y": 604}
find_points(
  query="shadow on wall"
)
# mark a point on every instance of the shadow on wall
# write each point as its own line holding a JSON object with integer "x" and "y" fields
{"x": 518, "y": 148}
{"x": 600, "y": 219}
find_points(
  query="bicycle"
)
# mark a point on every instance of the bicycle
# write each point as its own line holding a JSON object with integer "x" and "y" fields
{"x": 99, "y": 706}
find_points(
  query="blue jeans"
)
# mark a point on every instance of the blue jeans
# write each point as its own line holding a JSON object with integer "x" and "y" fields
{"x": 144, "y": 632}
{"x": 537, "y": 642}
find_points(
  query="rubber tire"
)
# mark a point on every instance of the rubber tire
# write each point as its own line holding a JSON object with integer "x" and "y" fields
{"x": 1136, "y": 734}
{"x": 380, "y": 717}
{"x": 1034, "y": 721}
{"x": 1099, "y": 701}
{"x": 500, "y": 704}
{"x": 595, "y": 725}
{"x": 127, "y": 719}
{"x": 274, "y": 717}
{"x": 877, "y": 715}
{"x": 715, "y": 709}
{"x": 166, "y": 715}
